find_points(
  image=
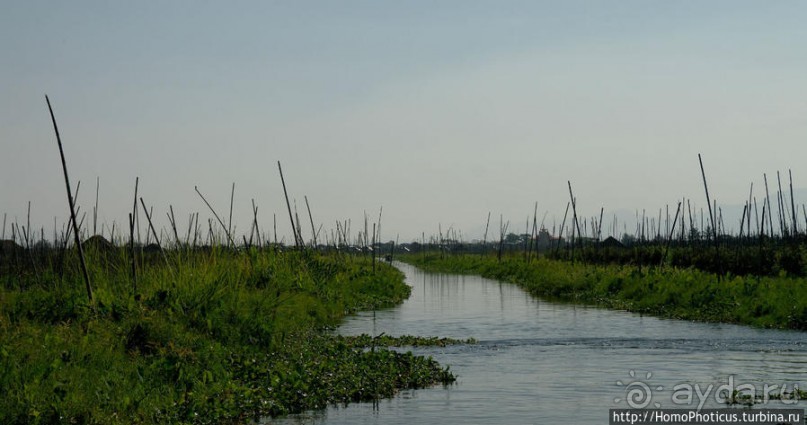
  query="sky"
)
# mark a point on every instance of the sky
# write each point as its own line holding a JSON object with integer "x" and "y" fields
{"x": 437, "y": 112}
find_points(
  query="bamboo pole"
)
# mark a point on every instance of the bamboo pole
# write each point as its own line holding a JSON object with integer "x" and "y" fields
{"x": 575, "y": 224}
{"x": 84, "y": 271}
{"x": 299, "y": 225}
{"x": 134, "y": 210}
{"x": 484, "y": 238}
{"x": 377, "y": 234}
{"x": 562, "y": 225}
{"x": 372, "y": 253}
{"x": 255, "y": 220}
{"x": 190, "y": 229}
{"x": 672, "y": 230}
{"x": 229, "y": 237}
{"x": 132, "y": 251}
{"x": 28, "y": 240}
{"x": 95, "y": 209}
{"x": 288, "y": 206}
{"x": 768, "y": 202}
{"x": 532, "y": 234}
{"x": 761, "y": 238}
{"x": 311, "y": 219}
{"x": 196, "y": 230}
{"x": 230, "y": 220}
{"x": 708, "y": 200}
{"x": 793, "y": 205}
{"x": 173, "y": 222}
{"x": 783, "y": 215}
{"x": 154, "y": 232}
{"x": 711, "y": 216}
{"x": 750, "y": 195}
{"x": 804, "y": 212}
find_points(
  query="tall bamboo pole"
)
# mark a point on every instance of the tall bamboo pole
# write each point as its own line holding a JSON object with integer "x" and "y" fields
{"x": 77, "y": 239}
{"x": 711, "y": 214}
{"x": 288, "y": 206}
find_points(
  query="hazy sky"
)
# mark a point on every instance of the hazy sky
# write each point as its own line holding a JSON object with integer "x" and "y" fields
{"x": 438, "y": 111}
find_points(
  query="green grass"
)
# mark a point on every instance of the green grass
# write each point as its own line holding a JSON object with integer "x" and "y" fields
{"x": 210, "y": 337}
{"x": 771, "y": 302}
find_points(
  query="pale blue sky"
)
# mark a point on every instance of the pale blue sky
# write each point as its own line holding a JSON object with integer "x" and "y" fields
{"x": 439, "y": 111}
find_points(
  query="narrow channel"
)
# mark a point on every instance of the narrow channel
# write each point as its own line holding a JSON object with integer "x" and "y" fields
{"x": 545, "y": 362}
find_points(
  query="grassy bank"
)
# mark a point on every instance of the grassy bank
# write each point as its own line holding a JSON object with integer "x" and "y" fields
{"x": 211, "y": 336}
{"x": 773, "y": 302}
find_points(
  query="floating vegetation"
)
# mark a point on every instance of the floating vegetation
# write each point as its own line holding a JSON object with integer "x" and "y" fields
{"x": 402, "y": 341}
{"x": 738, "y": 397}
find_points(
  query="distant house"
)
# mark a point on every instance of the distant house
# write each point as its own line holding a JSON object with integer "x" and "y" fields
{"x": 611, "y": 242}
{"x": 545, "y": 240}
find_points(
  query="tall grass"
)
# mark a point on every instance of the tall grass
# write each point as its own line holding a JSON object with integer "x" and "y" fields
{"x": 212, "y": 336}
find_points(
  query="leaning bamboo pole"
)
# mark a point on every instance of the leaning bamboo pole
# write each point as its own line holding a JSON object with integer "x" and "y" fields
{"x": 672, "y": 230}
{"x": 229, "y": 237}
{"x": 311, "y": 219}
{"x": 711, "y": 215}
{"x": 288, "y": 206}
{"x": 77, "y": 238}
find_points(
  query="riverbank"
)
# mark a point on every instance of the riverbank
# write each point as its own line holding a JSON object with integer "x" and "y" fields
{"x": 212, "y": 336}
{"x": 687, "y": 294}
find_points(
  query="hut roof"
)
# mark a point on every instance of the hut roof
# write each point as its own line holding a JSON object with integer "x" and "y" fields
{"x": 98, "y": 242}
{"x": 8, "y": 245}
{"x": 611, "y": 241}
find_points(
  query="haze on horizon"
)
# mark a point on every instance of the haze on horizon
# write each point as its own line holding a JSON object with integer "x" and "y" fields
{"x": 438, "y": 111}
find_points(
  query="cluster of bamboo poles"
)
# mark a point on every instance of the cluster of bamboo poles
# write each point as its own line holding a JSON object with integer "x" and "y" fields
{"x": 677, "y": 225}
{"x": 218, "y": 233}
{"x": 680, "y": 227}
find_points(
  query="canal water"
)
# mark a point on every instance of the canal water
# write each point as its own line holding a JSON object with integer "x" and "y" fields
{"x": 546, "y": 362}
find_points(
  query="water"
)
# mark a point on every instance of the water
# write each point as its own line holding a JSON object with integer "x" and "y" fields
{"x": 543, "y": 362}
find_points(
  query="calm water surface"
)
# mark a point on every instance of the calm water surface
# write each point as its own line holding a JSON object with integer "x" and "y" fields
{"x": 543, "y": 362}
